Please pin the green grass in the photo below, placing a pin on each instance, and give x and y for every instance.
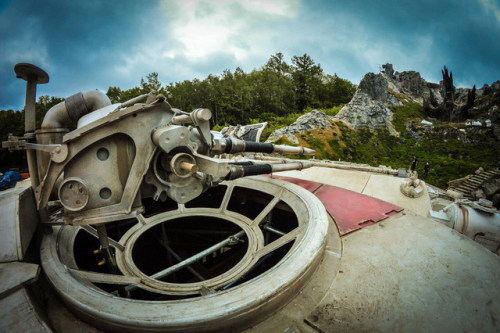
(448, 156)
(403, 113)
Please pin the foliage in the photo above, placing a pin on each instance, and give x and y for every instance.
(152, 84)
(11, 122)
(274, 123)
(451, 155)
(277, 88)
(328, 111)
(277, 93)
(405, 112)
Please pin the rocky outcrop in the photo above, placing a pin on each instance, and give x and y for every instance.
(312, 120)
(369, 106)
(487, 103)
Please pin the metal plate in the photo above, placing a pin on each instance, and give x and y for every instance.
(350, 210)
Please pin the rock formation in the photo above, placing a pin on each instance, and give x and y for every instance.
(309, 121)
(369, 106)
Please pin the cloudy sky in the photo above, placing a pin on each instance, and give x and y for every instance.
(93, 44)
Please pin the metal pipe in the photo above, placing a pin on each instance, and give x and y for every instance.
(190, 260)
(94, 233)
(232, 146)
(189, 167)
(178, 258)
(30, 124)
(133, 101)
(193, 117)
(242, 170)
(274, 231)
(282, 149)
(29, 109)
(108, 255)
(196, 257)
(290, 166)
(73, 108)
(334, 164)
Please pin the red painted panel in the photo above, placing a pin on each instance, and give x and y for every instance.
(350, 210)
(308, 185)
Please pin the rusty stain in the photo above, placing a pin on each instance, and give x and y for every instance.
(465, 213)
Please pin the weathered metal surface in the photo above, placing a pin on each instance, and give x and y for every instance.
(229, 310)
(350, 210)
(292, 316)
(481, 226)
(410, 274)
(244, 132)
(18, 221)
(104, 278)
(16, 275)
(18, 314)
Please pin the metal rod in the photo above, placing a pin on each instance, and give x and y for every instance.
(104, 240)
(282, 149)
(334, 164)
(193, 117)
(274, 231)
(290, 166)
(133, 101)
(178, 258)
(189, 167)
(29, 124)
(196, 257)
(93, 232)
(182, 119)
(190, 260)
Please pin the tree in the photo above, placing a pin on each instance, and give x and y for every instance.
(114, 94)
(152, 84)
(307, 79)
(336, 91)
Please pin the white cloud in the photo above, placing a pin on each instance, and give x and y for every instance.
(27, 46)
(229, 26)
(491, 5)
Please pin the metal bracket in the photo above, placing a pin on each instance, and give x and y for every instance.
(20, 143)
(211, 166)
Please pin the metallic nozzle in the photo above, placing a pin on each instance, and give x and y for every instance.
(249, 168)
(232, 146)
(282, 149)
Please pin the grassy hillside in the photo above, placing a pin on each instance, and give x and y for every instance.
(450, 152)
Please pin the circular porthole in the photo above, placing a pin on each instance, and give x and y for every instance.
(224, 260)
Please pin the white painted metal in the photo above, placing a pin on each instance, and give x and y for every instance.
(231, 309)
(97, 114)
(480, 226)
(16, 275)
(18, 314)
(18, 221)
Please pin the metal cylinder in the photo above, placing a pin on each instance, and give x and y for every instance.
(480, 226)
(29, 109)
(73, 108)
(29, 123)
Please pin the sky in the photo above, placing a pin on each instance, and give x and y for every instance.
(93, 44)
